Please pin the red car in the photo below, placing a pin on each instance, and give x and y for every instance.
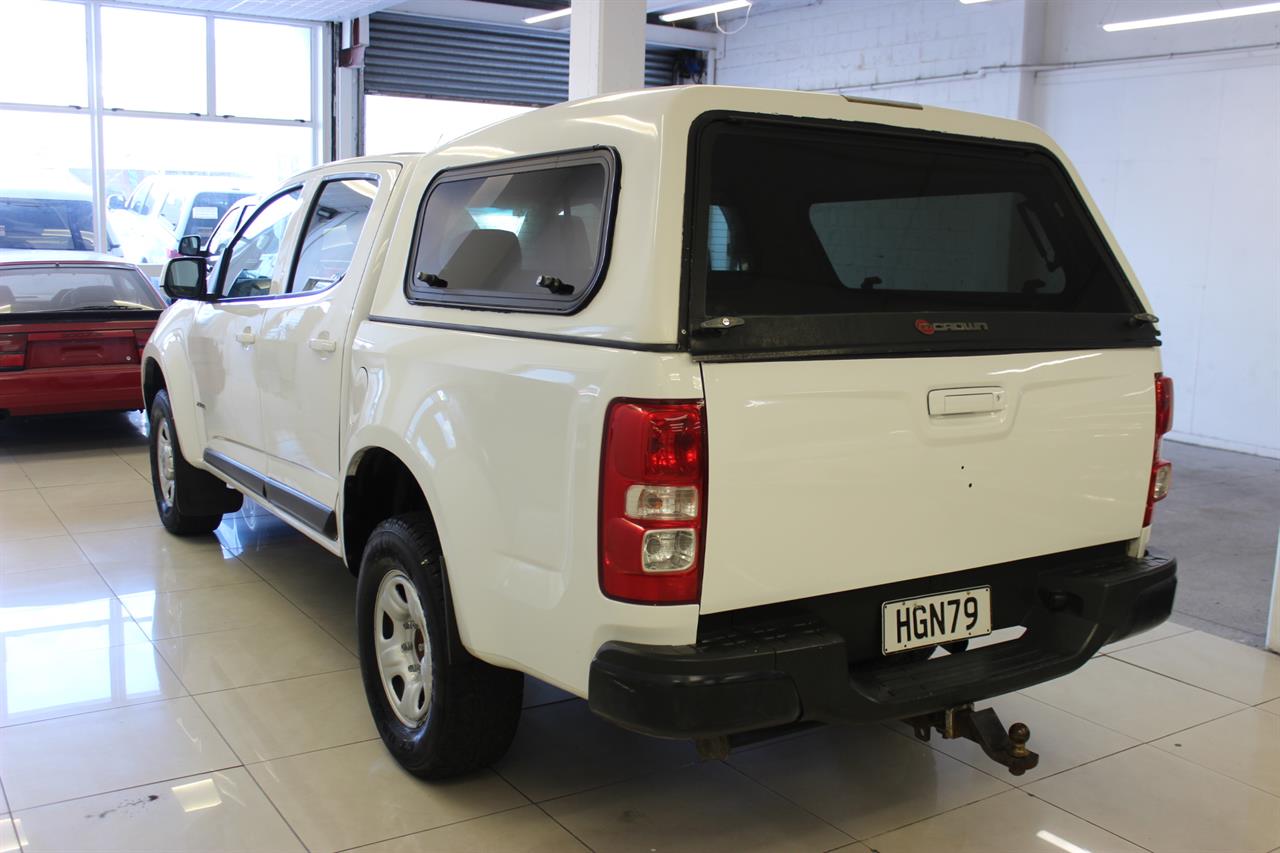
(72, 328)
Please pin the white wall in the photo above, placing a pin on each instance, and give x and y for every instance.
(1181, 154)
(1182, 159)
(879, 48)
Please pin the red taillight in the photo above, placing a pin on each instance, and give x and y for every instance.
(13, 351)
(1161, 469)
(653, 495)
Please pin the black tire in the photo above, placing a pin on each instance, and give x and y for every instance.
(473, 707)
(191, 487)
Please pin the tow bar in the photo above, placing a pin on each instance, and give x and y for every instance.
(983, 728)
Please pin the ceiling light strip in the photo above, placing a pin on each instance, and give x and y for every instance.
(685, 14)
(1192, 18)
(548, 16)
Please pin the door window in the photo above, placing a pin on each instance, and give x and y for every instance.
(224, 232)
(255, 263)
(331, 233)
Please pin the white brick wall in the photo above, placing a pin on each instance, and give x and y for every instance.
(848, 45)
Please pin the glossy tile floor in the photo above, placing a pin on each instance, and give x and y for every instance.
(201, 694)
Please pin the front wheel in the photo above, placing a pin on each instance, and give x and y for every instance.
(440, 711)
(181, 490)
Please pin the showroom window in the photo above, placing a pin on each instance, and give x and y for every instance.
(146, 125)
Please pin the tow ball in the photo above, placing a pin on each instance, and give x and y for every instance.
(983, 728)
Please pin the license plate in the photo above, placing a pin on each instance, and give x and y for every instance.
(911, 623)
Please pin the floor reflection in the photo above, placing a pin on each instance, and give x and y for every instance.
(72, 656)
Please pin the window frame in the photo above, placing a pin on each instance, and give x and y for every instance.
(487, 300)
(220, 287)
(311, 205)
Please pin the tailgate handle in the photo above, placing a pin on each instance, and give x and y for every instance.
(965, 401)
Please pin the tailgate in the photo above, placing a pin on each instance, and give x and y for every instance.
(833, 475)
(920, 355)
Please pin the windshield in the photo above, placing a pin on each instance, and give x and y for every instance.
(71, 287)
(37, 223)
(816, 237)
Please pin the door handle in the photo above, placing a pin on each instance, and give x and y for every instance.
(247, 337)
(965, 401)
(323, 344)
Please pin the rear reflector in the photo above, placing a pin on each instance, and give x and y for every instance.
(1161, 469)
(653, 501)
(13, 351)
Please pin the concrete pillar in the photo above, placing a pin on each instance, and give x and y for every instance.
(347, 120)
(606, 47)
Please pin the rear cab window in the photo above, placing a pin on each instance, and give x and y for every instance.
(863, 238)
(529, 234)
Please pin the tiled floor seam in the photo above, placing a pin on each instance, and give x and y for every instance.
(1185, 630)
(1133, 737)
(434, 828)
(259, 761)
(9, 811)
(130, 787)
(537, 805)
(1152, 744)
(1177, 612)
(753, 780)
(869, 842)
(117, 594)
(217, 630)
(355, 665)
(1136, 746)
(1193, 684)
(275, 808)
(612, 782)
(72, 716)
(572, 834)
(288, 598)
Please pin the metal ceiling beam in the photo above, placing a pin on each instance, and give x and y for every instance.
(494, 13)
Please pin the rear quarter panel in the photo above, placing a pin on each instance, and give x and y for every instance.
(504, 435)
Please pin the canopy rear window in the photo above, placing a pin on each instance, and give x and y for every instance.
(813, 237)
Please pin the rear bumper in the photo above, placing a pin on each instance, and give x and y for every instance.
(61, 390)
(797, 669)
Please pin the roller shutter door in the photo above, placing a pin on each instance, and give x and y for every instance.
(465, 61)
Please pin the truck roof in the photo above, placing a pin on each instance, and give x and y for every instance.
(652, 112)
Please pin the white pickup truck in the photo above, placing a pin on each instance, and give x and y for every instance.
(725, 409)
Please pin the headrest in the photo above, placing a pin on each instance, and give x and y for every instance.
(6, 298)
(483, 260)
(94, 294)
(563, 250)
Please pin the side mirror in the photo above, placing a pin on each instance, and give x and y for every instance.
(115, 201)
(189, 247)
(186, 278)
